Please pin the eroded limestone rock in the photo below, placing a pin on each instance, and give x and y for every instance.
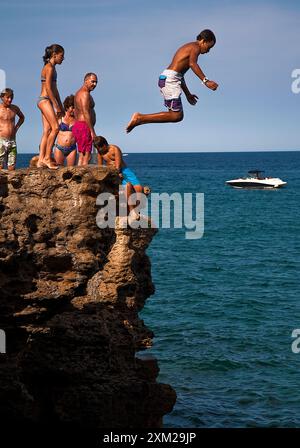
(69, 302)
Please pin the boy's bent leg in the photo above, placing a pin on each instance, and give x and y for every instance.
(161, 117)
(128, 192)
(139, 192)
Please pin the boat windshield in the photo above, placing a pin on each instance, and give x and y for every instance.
(257, 174)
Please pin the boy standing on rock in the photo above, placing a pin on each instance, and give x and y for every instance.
(8, 129)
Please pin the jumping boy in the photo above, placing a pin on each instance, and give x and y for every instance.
(171, 82)
(8, 129)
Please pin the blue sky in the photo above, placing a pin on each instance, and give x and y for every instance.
(129, 42)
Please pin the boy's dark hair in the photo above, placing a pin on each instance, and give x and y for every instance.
(88, 75)
(7, 91)
(100, 141)
(207, 36)
(68, 102)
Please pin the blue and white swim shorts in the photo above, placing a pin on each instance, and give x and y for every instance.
(169, 83)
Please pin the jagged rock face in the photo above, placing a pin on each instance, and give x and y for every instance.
(69, 302)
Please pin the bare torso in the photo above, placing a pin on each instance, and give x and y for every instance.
(79, 112)
(7, 121)
(66, 138)
(181, 60)
(110, 156)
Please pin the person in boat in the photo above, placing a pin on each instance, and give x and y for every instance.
(50, 104)
(65, 146)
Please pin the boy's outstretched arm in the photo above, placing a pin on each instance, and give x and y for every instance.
(192, 99)
(193, 63)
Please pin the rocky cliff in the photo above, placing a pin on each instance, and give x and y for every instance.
(70, 296)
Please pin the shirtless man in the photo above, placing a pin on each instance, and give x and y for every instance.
(171, 82)
(8, 129)
(112, 155)
(83, 130)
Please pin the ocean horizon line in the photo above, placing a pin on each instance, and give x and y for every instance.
(196, 152)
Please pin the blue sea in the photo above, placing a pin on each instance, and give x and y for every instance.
(226, 304)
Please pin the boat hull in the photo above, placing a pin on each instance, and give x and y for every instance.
(260, 185)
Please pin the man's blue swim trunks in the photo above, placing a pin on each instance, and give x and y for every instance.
(129, 176)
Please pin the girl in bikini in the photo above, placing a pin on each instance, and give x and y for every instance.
(49, 104)
(65, 146)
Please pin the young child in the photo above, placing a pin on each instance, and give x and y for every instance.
(112, 155)
(171, 82)
(8, 129)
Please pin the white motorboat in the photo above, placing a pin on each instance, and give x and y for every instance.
(256, 179)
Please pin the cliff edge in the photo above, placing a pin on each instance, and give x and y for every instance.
(69, 302)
